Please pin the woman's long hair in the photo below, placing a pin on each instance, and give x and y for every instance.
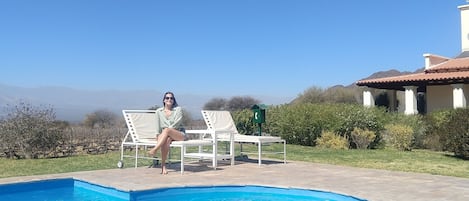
(175, 103)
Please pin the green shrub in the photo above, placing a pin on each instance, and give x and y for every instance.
(399, 136)
(416, 122)
(362, 137)
(436, 135)
(331, 140)
(357, 116)
(457, 129)
(243, 121)
(301, 124)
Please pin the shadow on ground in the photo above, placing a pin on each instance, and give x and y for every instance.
(206, 165)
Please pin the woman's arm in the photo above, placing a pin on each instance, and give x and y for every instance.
(176, 119)
(159, 126)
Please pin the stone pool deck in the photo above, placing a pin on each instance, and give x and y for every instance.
(370, 184)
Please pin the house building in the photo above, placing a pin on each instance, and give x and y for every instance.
(443, 84)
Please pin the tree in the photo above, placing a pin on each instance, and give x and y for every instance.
(340, 94)
(215, 104)
(336, 94)
(100, 119)
(240, 103)
(310, 95)
(186, 117)
(236, 103)
(31, 129)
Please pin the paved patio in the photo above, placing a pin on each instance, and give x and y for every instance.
(370, 184)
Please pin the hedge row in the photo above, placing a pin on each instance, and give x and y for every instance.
(304, 124)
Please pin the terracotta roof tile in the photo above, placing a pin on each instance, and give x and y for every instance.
(454, 69)
(459, 64)
(419, 77)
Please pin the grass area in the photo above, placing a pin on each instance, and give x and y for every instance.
(421, 161)
(26, 167)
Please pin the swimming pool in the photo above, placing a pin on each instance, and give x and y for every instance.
(70, 189)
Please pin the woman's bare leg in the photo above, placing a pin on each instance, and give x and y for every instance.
(168, 133)
(152, 152)
(164, 155)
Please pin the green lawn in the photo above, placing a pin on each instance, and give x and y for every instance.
(423, 161)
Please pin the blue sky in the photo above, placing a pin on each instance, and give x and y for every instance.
(219, 47)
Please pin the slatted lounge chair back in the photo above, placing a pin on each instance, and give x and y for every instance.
(219, 121)
(141, 124)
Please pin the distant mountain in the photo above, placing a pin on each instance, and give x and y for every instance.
(73, 104)
(388, 73)
(391, 73)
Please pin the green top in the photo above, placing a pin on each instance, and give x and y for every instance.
(173, 121)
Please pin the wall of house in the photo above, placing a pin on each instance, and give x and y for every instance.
(439, 97)
(400, 95)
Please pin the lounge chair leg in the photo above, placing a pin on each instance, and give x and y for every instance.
(183, 150)
(259, 147)
(284, 153)
(136, 156)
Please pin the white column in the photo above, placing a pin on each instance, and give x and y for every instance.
(368, 100)
(459, 100)
(410, 100)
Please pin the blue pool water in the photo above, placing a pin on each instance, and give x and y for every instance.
(76, 190)
(60, 189)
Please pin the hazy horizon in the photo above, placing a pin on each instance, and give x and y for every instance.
(73, 104)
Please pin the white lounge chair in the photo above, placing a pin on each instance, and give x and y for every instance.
(222, 120)
(141, 134)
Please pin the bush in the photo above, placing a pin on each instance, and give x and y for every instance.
(351, 117)
(416, 122)
(31, 129)
(243, 122)
(362, 137)
(301, 124)
(457, 129)
(399, 136)
(331, 140)
(436, 135)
